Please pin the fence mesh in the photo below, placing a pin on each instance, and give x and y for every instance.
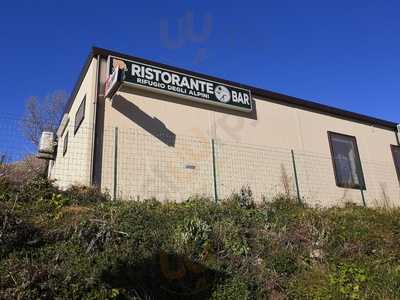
(135, 164)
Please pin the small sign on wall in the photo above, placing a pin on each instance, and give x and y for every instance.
(112, 83)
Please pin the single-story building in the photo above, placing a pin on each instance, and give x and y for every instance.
(141, 129)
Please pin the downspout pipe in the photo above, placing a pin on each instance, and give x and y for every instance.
(398, 134)
(96, 94)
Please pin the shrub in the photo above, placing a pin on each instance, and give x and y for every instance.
(231, 238)
(81, 194)
(193, 236)
(15, 233)
(348, 280)
(233, 289)
(243, 199)
(284, 263)
(37, 188)
(6, 189)
(95, 235)
(282, 211)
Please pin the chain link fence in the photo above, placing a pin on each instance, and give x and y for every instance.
(136, 164)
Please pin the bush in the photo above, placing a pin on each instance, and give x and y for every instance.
(284, 263)
(231, 238)
(37, 188)
(81, 194)
(193, 237)
(7, 190)
(347, 281)
(96, 235)
(15, 233)
(243, 199)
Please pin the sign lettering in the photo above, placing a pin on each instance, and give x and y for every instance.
(179, 84)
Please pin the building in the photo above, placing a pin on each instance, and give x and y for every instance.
(141, 129)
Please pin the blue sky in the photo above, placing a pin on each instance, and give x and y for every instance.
(342, 53)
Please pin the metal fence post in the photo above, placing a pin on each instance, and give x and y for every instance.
(363, 197)
(295, 177)
(115, 163)
(214, 170)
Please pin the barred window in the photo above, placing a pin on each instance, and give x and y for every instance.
(396, 158)
(346, 161)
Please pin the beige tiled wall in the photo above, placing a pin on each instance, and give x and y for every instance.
(74, 167)
(249, 150)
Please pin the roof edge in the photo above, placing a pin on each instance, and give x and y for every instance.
(278, 97)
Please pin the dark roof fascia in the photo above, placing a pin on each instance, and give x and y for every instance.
(277, 97)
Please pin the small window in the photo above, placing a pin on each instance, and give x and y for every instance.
(80, 115)
(65, 126)
(65, 146)
(346, 161)
(396, 158)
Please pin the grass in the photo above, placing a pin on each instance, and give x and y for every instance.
(77, 244)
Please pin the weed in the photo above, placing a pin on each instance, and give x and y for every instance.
(231, 238)
(348, 281)
(243, 199)
(194, 236)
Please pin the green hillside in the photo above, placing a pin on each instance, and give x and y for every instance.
(77, 244)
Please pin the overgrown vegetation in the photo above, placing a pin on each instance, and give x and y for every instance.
(77, 244)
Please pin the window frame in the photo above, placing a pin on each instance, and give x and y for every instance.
(362, 185)
(397, 167)
(65, 143)
(65, 127)
(79, 123)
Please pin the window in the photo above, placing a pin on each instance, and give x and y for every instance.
(80, 115)
(396, 158)
(346, 161)
(64, 124)
(65, 146)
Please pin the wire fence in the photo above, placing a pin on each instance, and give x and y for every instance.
(137, 164)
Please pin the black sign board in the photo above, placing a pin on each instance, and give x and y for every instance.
(180, 84)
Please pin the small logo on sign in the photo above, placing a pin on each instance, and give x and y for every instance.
(222, 93)
(119, 64)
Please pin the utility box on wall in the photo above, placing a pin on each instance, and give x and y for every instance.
(47, 146)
